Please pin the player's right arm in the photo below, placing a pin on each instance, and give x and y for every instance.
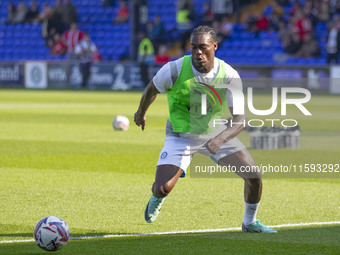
(160, 83)
(149, 95)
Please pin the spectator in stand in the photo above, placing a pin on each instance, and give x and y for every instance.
(309, 48)
(283, 31)
(59, 46)
(149, 27)
(72, 37)
(333, 44)
(262, 23)
(123, 13)
(20, 14)
(296, 7)
(337, 7)
(45, 13)
(10, 14)
(323, 13)
(58, 10)
(56, 17)
(85, 51)
(250, 20)
(223, 28)
(207, 16)
(184, 20)
(292, 44)
(332, 7)
(58, 7)
(50, 37)
(221, 8)
(302, 25)
(337, 22)
(274, 22)
(188, 4)
(216, 25)
(69, 14)
(32, 13)
(315, 4)
(157, 32)
(51, 25)
(310, 12)
(146, 56)
(45, 18)
(226, 27)
(162, 56)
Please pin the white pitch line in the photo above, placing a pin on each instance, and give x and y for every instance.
(180, 232)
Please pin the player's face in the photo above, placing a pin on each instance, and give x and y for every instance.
(203, 52)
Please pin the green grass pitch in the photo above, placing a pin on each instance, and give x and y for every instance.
(60, 156)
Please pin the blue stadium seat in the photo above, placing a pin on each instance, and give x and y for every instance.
(321, 60)
(268, 10)
(114, 39)
(321, 26)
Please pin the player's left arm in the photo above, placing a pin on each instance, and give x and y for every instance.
(214, 144)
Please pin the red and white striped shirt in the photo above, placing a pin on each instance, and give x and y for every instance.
(72, 39)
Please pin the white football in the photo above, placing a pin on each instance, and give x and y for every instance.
(121, 123)
(51, 233)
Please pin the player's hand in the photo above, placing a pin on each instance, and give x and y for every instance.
(213, 145)
(140, 120)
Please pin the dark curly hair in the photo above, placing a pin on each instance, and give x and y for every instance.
(205, 30)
